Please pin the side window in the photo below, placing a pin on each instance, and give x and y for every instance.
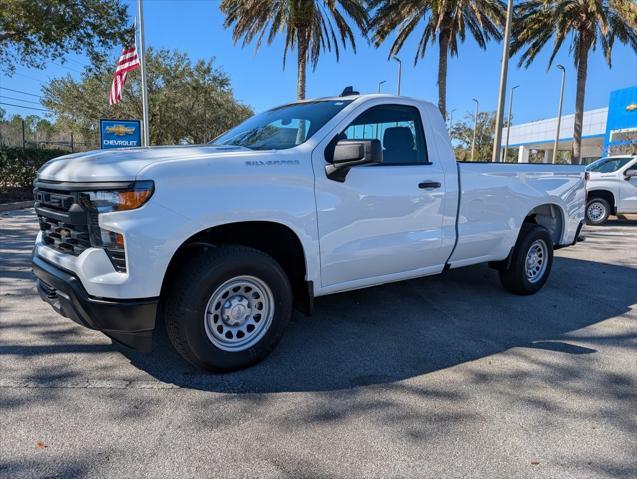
(399, 129)
(623, 163)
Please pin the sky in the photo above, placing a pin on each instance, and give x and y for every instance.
(259, 79)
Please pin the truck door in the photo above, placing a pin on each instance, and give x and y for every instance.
(384, 219)
(628, 191)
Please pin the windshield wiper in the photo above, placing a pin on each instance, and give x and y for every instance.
(222, 145)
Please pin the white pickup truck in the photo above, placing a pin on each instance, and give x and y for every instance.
(300, 201)
(612, 188)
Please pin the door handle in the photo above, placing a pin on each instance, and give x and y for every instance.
(429, 184)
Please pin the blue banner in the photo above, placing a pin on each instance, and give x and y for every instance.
(120, 133)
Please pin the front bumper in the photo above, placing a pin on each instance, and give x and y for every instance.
(127, 321)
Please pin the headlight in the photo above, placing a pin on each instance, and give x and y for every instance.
(130, 197)
(113, 197)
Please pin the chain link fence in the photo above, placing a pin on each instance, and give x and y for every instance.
(18, 134)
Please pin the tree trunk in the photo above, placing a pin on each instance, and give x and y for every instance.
(301, 64)
(300, 82)
(442, 73)
(582, 67)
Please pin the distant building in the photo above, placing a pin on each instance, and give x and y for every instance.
(610, 130)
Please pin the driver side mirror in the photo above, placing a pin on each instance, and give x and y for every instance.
(349, 153)
(628, 174)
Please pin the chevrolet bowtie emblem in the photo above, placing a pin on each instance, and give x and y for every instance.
(631, 107)
(120, 130)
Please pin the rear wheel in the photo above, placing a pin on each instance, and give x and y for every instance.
(229, 308)
(597, 211)
(531, 261)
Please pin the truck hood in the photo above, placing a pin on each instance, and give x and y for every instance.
(124, 164)
(595, 176)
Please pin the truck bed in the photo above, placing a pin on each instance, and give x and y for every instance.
(495, 198)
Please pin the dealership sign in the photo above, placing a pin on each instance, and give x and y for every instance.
(120, 133)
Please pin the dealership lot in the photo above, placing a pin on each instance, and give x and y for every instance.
(441, 376)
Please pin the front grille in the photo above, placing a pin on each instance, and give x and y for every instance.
(63, 221)
(68, 225)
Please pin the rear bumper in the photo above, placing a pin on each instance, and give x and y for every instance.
(129, 321)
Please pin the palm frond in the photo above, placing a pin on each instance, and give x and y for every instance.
(325, 24)
(589, 22)
(482, 18)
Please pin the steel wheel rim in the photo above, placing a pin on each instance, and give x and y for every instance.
(239, 313)
(596, 211)
(536, 261)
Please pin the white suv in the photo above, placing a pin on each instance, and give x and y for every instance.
(612, 188)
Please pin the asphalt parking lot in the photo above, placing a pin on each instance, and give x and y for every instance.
(445, 376)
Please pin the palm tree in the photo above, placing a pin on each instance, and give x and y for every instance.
(585, 23)
(445, 21)
(310, 26)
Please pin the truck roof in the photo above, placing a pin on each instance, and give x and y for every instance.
(357, 97)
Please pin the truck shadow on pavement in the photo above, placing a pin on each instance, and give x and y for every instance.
(375, 359)
(402, 330)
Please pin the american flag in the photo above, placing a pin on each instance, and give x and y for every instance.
(128, 61)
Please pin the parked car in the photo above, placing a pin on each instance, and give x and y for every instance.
(612, 188)
(304, 200)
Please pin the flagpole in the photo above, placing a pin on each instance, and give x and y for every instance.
(142, 55)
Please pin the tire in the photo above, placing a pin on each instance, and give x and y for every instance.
(597, 211)
(520, 278)
(228, 308)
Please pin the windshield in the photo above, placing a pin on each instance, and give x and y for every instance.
(608, 165)
(283, 127)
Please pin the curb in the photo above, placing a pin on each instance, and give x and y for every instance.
(19, 205)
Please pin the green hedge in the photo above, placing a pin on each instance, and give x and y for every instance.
(18, 166)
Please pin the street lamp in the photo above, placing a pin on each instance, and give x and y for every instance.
(559, 114)
(475, 127)
(506, 145)
(400, 68)
(497, 140)
(379, 84)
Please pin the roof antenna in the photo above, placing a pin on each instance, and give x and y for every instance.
(349, 91)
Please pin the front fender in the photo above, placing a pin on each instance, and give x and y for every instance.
(202, 195)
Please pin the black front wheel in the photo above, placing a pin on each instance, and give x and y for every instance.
(228, 307)
(531, 261)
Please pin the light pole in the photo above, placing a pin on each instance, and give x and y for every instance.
(475, 128)
(497, 140)
(506, 145)
(379, 84)
(400, 68)
(559, 114)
